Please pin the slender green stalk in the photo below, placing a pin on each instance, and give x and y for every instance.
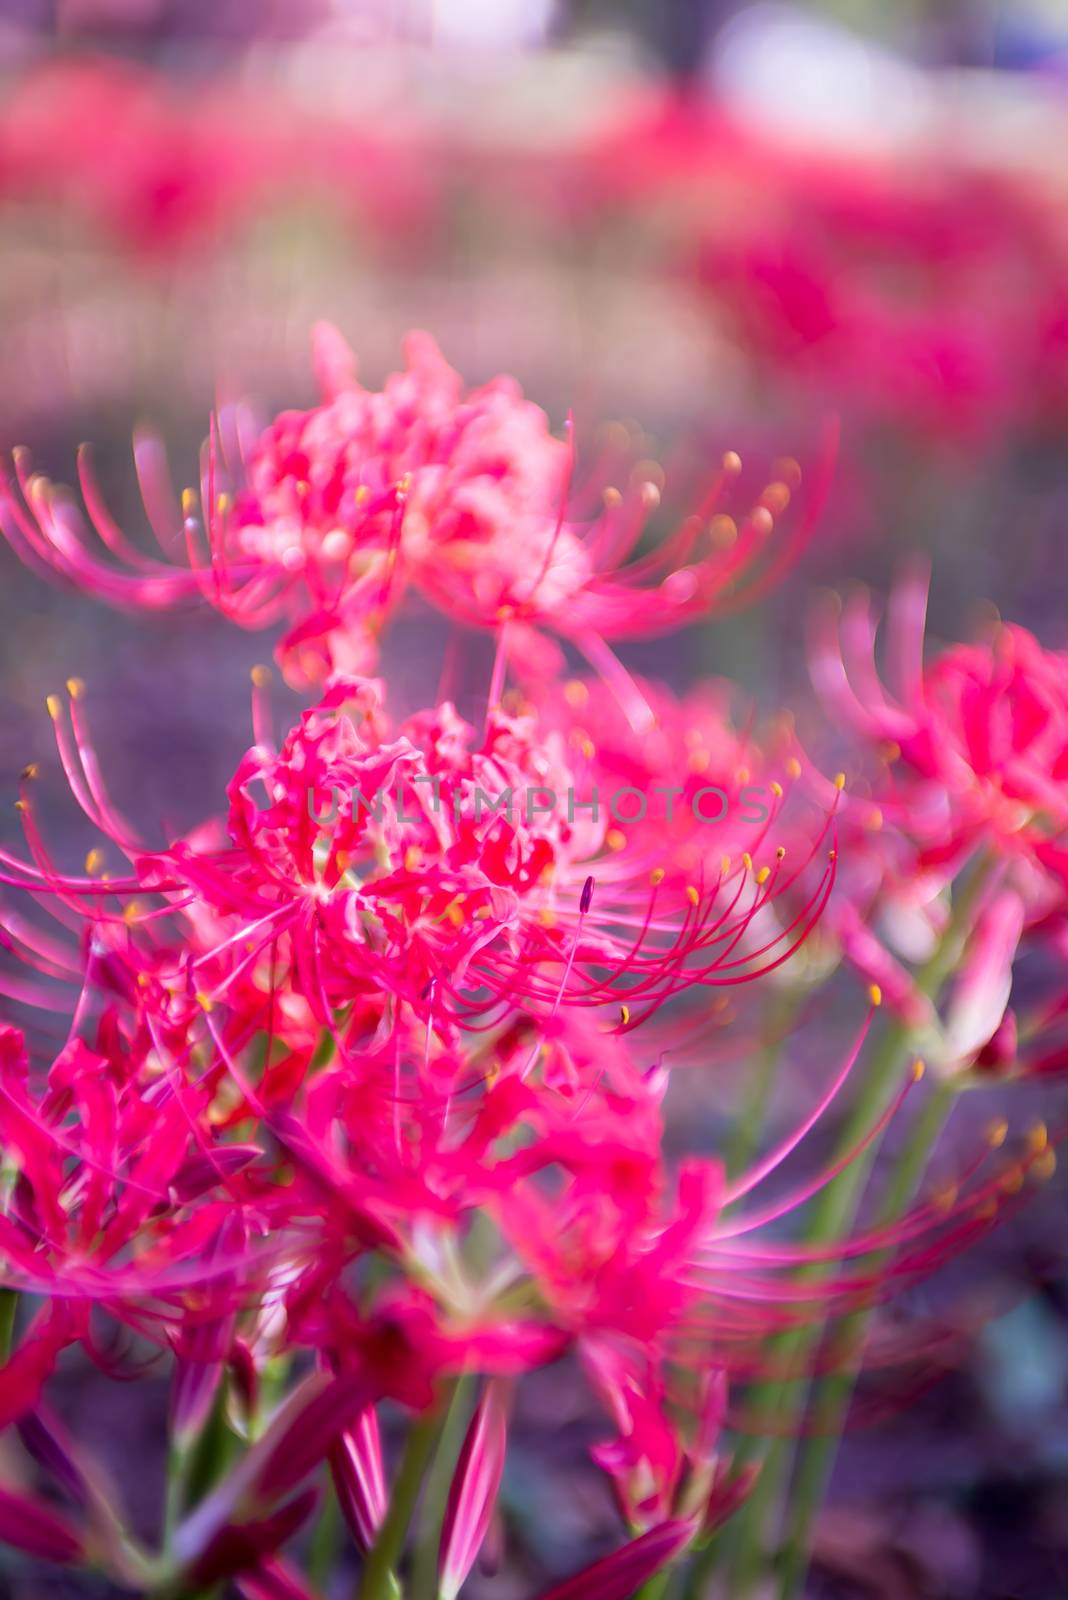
(322, 1552)
(831, 1213)
(817, 1455)
(9, 1305)
(424, 1584)
(745, 1134)
(655, 1588)
(830, 1217)
(378, 1581)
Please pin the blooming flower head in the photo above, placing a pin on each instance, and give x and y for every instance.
(463, 874)
(330, 514)
(973, 745)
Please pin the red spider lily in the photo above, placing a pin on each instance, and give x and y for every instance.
(665, 1460)
(461, 875)
(465, 497)
(977, 741)
(963, 758)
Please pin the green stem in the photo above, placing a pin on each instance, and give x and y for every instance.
(832, 1210)
(324, 1540)
(378, 1582)
(655, 1588)
(831, 1216)
(745, 1135)
(9, 1305)
(424, 1584)
(818, 1453)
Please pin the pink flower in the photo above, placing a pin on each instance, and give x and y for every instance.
(331, 513)
(976, 742)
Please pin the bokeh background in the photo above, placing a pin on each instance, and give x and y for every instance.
(715, 225)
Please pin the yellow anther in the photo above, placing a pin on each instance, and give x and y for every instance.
(747, 861)
(742, 775)
(732, 461)
(874, 819)
(624, 1015)
(611, 498)
(918, 1069)
(55, 710)
(656, 877)
(780, 854)
(576, 693)
(189, 503)
(793, 768)
(763, 875)
(891, 750)
(723, 530)
(404, 484)
(832, 855)
(362, 495)
(1045, 1165)
(94, 862)
(261, 676)
(31, 771)
(839, 780)
(21, 805)
(75, 688)
(413, 858)
(1012, 1181)
(1038, 1138)
(692, 896)
(997, 1133)
(725, 865)
(143, 980)
(776, 498)
(132, 910)
(875, 994)
(222, 503)
(204, 1001)
(615, 839)
(776, 789)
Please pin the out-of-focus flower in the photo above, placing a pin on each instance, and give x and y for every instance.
(337, 510)
(974, 744)
(962, 759)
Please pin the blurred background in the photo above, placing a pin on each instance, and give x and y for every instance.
(719, 224)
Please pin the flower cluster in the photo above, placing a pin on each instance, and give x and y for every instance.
(328, 516)
(355, 1115)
